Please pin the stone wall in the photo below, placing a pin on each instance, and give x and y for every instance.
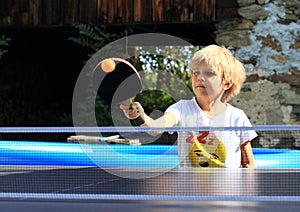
(266, 38)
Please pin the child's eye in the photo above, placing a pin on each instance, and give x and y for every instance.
(196, 73)
(210, 73)
(207, 73)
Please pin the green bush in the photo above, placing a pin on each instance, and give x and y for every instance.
(4, 41)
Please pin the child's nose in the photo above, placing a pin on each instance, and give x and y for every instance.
(201, 77)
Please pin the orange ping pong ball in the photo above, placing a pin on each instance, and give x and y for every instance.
(108, 65)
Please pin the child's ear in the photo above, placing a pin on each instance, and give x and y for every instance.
(227, 85)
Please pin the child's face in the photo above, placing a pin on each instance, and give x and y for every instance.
(206, 83)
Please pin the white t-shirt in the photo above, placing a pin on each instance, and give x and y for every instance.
(218, 148)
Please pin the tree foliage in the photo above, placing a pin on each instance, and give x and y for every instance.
(4, 41)
(95, 37)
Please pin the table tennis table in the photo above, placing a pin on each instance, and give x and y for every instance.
(57, 187)
(68, 188)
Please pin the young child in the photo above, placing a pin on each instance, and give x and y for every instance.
(216, 77)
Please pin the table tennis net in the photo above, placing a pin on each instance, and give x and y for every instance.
(277, 136)
(274, 146)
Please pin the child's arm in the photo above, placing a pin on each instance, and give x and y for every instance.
(167, 120)
(247, 155)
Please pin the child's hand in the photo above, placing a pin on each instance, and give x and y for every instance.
(246, 166)
(249, 166)
(133, 111)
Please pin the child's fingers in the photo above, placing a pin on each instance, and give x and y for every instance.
(132, 111)
(137, 106)
(246, 166)
(124, 107)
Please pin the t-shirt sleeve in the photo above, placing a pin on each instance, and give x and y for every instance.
(175, 110)
(246, 135)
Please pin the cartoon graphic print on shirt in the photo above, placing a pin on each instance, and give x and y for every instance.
(206, 150)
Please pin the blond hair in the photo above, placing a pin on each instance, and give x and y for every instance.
(224, 64)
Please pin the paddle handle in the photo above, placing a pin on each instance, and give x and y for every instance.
(138, 120)
(127, 102)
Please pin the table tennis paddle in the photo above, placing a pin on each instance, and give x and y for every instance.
(119, 86)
